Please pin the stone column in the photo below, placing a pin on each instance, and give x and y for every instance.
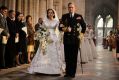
(19, 2)
(6, 3)
(80, 7)
(49, 3)
(35, 11)
(42, 8)
(30, 7)
(60, 8)
(25, 12)
(118, 12)
(56, 6)
(11, 4)
(64, 6)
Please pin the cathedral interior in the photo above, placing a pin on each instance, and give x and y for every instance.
(103, 15)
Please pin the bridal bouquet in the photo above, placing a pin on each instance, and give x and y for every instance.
(42, 35)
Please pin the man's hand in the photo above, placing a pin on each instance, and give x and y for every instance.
(64, 29)
(69, 29)
(4, 39)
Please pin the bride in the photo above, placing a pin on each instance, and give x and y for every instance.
(51, 62)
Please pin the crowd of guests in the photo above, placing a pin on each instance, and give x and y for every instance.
(17, 44)
(111, 42)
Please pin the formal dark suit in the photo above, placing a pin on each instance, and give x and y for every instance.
(22, 44)
(71, 41)
(3, 25)
(10, 52)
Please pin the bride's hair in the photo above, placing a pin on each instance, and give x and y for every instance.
(52, 11)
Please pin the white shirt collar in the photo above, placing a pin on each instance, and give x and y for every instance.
(72, 14)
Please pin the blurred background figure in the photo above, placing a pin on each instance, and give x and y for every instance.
(37, 26)
(11, 46)
(117, 43)
(30, 38)
(22, 44)
(4, 34)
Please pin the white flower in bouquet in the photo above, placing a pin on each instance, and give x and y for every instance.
(42, 35)
(43, 45)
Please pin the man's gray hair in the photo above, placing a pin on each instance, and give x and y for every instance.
(70, 3)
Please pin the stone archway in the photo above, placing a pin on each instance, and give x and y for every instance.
(102, 27)
(99, 22)
(108, 25)
(103, 8)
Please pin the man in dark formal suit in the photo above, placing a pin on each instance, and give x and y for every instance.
(39, 24)
(71, 22)
(4, 33)
(10, 53)
(37, 27)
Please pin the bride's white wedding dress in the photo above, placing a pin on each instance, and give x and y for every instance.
(52, 61)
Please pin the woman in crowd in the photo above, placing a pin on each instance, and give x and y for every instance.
(91, 36)
(30, 38)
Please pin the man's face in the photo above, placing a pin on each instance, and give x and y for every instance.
(4, 12)
(40, 20)
(12, 15)
(20, 17)
(71, 8)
